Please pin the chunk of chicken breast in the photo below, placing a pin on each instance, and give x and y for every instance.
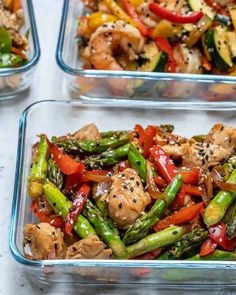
(126, 199)
(88, 132)
(45, 241)
(90, 248)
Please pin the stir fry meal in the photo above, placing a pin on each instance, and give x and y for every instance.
(12, 42)
(145, 193)
(176, 36)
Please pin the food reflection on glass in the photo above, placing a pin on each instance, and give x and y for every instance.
(13, 44)
(186, 36)
(145, 193)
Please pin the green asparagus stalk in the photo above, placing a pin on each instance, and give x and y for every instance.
(39, 169)
(137, 161)
(102, 206)
(114, 133)
(142, 225)
(172, 190)
(216, 255)
(54, 174)
(92, 146)
(62, 206)
(218, 206)
(186, 243)
(230, 220)
(152, 242)
(103, 230)
(167, 127)
(107, 158)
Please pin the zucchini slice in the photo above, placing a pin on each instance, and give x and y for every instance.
(232, 12)
(217, 46)
(231, 39)
(150, 50)
(200, 5)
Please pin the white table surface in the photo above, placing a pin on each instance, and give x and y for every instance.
(47, 84)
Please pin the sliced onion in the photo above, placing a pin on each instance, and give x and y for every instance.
(52, 254)
(96, 177)
(218, 180)
(151, 186)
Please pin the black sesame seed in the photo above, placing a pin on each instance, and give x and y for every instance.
(131, 189)
(120, 205)
(174, 232)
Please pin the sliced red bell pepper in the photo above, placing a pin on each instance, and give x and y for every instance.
(164, 165)
(179, 200)
(146, 138)
(190, 175)
(72, 182)
(54, 220)
(215, 6)
(130, 10)
(164, 45)
(172, 16)
(193, 190)
(66, 164)
(159, 181)
(149, 256)
(123, 165)
(76, 208)
(218, 233)
(180, 217)
(208, 246)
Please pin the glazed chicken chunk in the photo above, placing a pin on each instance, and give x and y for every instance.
(45, 241)
(88, 132)
(90, 248)
(126, 199)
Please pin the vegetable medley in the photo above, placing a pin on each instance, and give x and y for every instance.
(145, 193)
(176, 36)
(12, 43)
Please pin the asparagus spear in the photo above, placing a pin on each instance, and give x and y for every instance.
(167, 127)
(230, 220)
(218, 206)
(142, 225)
(104, 231)
(187, 242)
(54, 174)
(137, 161)
(152, 242)
(39, 169)
(91, 146)
(62, 206)
(216, 255)
(114, 133)
(107, 158)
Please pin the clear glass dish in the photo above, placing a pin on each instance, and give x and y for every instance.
(111, 115)
(141, 85)
(15, 80)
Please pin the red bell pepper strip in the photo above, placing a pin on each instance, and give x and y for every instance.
(129, 9)
(172, 16)
(149, 256)
(146, 138)
(218, 233)
(72, 182)
(159, 181)
(179, 200)
(66, 164)
(208, 246)
(190, 175)
(76, 208)
(193, 190)
(123, 165)
(216, 7)
(164, 165)
(54, 220)
(180, 217)
(164, 45)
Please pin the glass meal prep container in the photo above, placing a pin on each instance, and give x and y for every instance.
(17, 79)
(107, 116)
(89, 84)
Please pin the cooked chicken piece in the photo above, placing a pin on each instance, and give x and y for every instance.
(126, 199)
(198, 154)
(45, 205)
(90, 248)
(88, 132)
(223, 136)
(45, 241)
(163, 137)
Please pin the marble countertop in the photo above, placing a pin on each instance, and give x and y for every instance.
(13, 279)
